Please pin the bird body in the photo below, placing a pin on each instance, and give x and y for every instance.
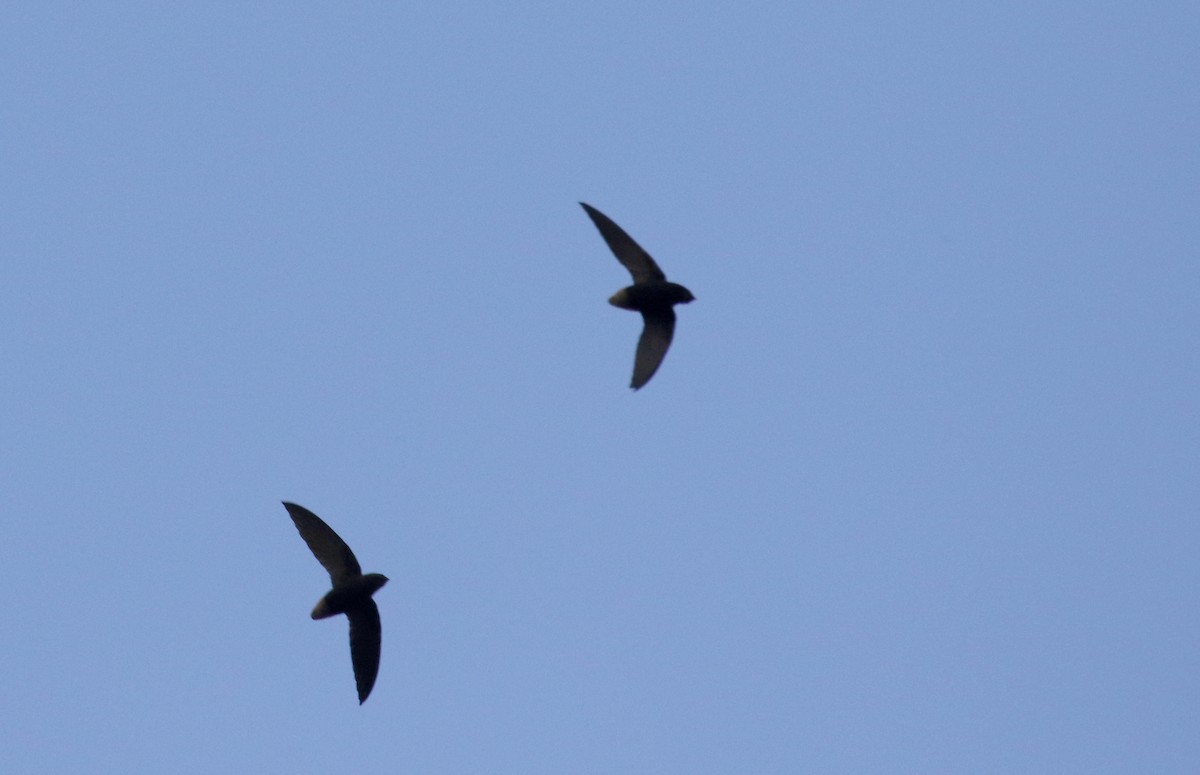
(651, 294)
(351, 594)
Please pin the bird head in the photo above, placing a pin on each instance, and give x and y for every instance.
(374, 582)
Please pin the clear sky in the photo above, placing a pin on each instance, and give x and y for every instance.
(916, 489)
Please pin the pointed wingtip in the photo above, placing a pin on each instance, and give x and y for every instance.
(635, 385)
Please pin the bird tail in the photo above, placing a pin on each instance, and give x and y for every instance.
(322, 610)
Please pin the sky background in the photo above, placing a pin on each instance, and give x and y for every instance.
(916, 489)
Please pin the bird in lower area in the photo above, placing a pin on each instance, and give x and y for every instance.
(650, 295)
(351, 594)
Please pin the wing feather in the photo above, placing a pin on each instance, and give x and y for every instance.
(366, 635)
(327, 546)
(657, 331)
(637, 261)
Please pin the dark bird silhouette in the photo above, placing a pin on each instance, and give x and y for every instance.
(650, 295)
(351, 594)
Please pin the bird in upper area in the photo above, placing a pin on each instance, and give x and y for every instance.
(351, 594)
(650, 295)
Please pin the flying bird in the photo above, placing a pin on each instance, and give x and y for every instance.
(351, 594)
(650, 295)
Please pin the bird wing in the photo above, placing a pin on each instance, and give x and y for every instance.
(637, 261)
(658, 328)
(330, 550)
(365, 636)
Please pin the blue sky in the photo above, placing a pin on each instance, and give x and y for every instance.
(915, 489)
